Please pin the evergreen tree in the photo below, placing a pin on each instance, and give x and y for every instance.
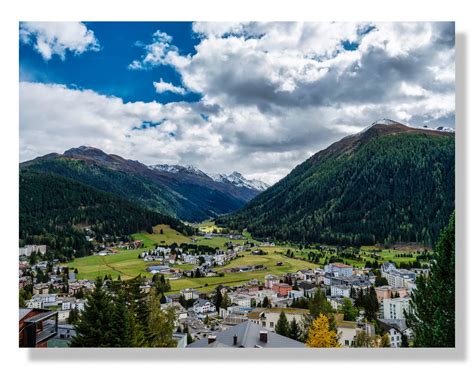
(94, 326)
(432, 313)
(294, 332)
(121, 328)
(226, 301)
(218, 298)
(161, 324)
(282, 327)
(318, 304)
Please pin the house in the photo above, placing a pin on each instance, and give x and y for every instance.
(270, 279)
(190, 294)
(339, 269)
(340, 291)
(387, 292)
(246, 334)
(396, 277)
(268, 317)
(29, 249)
(395, 328)
(282, 289)
(395, 308)
(346, 332)
(305, 275)
(40, 289)
(162, 269)
(293, 294)
(37, 327)
(203, 307)
(66, 331)
(241, 300)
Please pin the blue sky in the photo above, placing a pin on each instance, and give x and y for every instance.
(257, 98)
(106, 71)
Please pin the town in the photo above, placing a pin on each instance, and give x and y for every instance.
(367, 302)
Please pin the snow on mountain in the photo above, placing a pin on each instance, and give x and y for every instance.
(239, 180)
(189, 169)
(235, 178)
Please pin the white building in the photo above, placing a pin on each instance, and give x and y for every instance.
(397, 277)
(394, 308)
(29, 249)
(190, 294)
(339, 269)
(203, 307)
(340, 291)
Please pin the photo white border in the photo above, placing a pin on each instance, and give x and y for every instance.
(361, 10)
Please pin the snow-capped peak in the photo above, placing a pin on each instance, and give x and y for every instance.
(239, 180)
(177, 169)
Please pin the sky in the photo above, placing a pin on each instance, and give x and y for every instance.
(257, 98)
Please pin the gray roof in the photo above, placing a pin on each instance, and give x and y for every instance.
(248, 335)
(24, 312)
(399, 324)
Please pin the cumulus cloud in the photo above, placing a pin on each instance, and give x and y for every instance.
(56, 38)
(163, 86)
(273, 94)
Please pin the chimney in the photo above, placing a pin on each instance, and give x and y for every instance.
(211, 338)
(235, 340)
(264, 336)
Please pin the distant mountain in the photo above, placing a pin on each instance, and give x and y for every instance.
(239, 180)
(388, 183)
(183, 192)
(55, 210)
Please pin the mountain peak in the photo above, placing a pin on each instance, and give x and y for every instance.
(85, 151)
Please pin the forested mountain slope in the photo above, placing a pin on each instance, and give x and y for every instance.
(386, 184)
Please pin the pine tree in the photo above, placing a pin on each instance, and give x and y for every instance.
(225, 301)
(161, 325)
(94, 326)
(319, 334)
(294, 332)
(121, 328)
(318, 304)
(282, 327)
(218, 298)
(432, 313)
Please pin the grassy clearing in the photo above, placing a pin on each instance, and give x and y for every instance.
(168, 236)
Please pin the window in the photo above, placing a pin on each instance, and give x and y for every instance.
(264, 324)
(346, 342)
(271, 324)
(391, 338)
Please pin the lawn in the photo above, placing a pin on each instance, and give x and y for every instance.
(275, 255)
(168, 236)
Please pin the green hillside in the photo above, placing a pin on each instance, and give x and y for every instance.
(55, 210)
(383, 186)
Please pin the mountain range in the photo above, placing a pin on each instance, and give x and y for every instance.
(389, 183)
(183, 192)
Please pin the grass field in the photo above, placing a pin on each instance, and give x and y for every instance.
(275, 255)
(127, 264)
(168, 237)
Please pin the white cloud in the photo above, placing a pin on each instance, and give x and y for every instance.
(273, 94)
(56, 38)
(163, 86)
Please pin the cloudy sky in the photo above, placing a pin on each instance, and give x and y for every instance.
(258, 98)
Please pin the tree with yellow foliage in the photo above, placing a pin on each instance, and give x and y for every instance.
(320, 335)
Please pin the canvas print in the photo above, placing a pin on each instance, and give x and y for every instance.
(237, 185)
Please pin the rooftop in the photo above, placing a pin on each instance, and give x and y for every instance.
(247, 335)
